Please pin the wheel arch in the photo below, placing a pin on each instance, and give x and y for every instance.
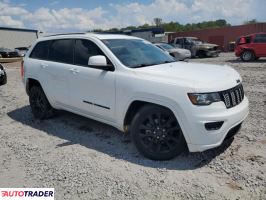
(30, 83)
(248, 49)
(135, 105)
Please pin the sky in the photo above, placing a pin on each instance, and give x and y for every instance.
(84, 15)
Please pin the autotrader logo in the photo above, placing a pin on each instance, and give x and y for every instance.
(27, 193)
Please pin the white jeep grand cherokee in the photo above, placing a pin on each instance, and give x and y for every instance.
(134, 86)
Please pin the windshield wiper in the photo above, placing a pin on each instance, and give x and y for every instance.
(142, 65)
(146, 65)
(168, 61)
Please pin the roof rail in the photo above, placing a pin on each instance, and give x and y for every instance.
(63, 34)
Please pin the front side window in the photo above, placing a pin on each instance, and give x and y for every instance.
(61, 51)
(260, 38)
(178, 41)
(136, 53)
(84, 49)
(40, 51)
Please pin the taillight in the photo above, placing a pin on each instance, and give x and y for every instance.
(22, 69)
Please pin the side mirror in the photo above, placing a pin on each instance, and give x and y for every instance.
(100, 62)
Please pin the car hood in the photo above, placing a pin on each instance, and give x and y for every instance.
(179, 50)
(197, 77)
(207, 45)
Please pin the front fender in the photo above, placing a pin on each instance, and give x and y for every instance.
(158, 100)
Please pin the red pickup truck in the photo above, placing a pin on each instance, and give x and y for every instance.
(251, 47)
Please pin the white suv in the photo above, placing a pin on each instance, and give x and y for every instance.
(136, 87)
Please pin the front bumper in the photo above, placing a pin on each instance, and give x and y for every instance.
(201, 139)
(213, 53)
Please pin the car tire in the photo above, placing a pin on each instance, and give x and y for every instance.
(156, 133)
(201, 54)
(247, 56)
(39, 104)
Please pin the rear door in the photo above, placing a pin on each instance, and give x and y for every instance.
(259, 44)
(56, 70)
(60, 65)
(92, 90)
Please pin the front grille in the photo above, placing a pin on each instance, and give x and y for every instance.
(233, 96)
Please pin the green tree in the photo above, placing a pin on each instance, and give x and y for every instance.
(253, 21)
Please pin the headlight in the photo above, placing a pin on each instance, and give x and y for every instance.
(204, 99)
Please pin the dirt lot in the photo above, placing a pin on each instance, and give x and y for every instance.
(84, 159)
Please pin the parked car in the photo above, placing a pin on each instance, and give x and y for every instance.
(196, 46)
(177, 53)
(3, 76)
(251, 47)
(8, 53)
(22, 50)
(130, 84)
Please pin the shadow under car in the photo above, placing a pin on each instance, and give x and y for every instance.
(106, 139)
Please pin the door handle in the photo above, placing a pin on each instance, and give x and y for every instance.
(74, 71)
(43, 66)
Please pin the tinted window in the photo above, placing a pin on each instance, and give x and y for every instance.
(61, 51)
(248, 39)
(260, 38)
(178, 41)
(40, 51)
(84, 49)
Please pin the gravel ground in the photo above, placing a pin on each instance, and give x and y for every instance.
(85, 159)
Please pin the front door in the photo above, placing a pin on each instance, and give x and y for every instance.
(92, 90)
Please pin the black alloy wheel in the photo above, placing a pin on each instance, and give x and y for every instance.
(157, 134)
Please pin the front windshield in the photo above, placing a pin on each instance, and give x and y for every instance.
(166, 46)
(136, 53)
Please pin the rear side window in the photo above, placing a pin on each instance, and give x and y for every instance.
(84, 49)
(260, 38)
(61, 51)
(248, 39)
(40, 51)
